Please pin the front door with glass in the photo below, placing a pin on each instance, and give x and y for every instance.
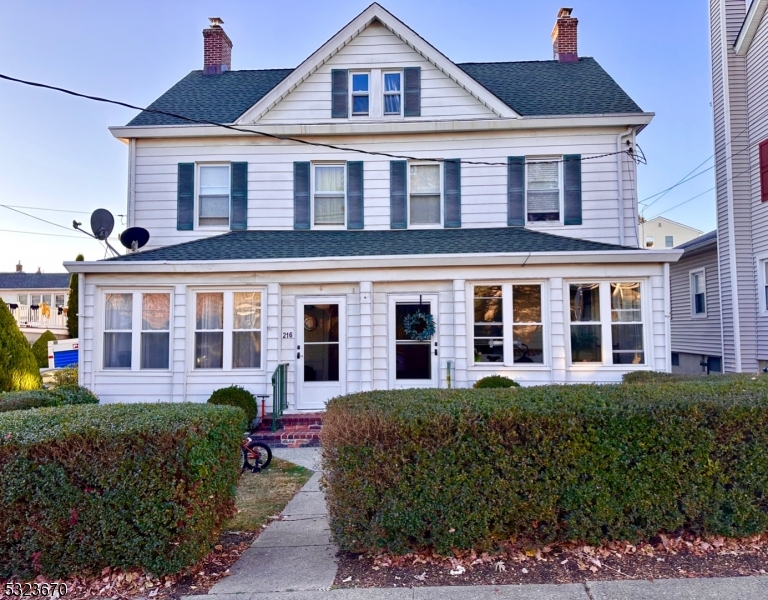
(320, 351)
(413, 353)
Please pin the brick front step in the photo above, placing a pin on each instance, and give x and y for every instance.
(302, 419)
(290, 436)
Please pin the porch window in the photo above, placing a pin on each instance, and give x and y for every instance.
(155, 330)
(508, 324)
(214, 196)
(118, 325)
(209, 331)
(626, 324)
(330, 195)
(246, 330)
(586, 329)
(425, 194)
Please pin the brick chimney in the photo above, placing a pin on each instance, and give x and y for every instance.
(564, 38)
(19, 268)
(217, 55)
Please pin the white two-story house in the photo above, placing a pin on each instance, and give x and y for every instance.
(378, 217)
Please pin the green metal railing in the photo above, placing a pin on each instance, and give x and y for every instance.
(279, 393)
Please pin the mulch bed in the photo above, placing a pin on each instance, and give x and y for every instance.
(665, 557)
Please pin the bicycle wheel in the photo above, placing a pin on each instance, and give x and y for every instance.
(256, 457)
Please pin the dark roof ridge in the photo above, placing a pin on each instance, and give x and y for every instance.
(518, 62)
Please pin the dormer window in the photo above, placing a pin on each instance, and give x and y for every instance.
(361, 99)
(393, 94)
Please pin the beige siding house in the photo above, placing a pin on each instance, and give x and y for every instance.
(665, 233)
(379, 217)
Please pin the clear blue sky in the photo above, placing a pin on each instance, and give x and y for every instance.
(56, 152)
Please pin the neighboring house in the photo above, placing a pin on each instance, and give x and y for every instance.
(497, 200)
(697, 345)
(38, 301)
(740, 106)
(664, 233)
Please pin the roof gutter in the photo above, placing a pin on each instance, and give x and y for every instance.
(376, 262)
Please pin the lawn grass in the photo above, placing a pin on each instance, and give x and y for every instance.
(261, 495)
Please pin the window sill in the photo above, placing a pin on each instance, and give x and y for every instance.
(544, 224)
(700, 316)
(596, 365)
(435, 226)
(521, 366)
(204, 372)
(147, 372)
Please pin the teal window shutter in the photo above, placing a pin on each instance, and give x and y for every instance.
(239, 196)
(398, 171)
(355, 195)
(301, 199)
(572, 180)
(412, 105)
(185, 197)
(340, 93)
(516, 191)
(452, 194)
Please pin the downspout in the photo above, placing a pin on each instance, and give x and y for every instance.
(620, 179)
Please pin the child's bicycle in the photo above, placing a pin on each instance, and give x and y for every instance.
(255, 456)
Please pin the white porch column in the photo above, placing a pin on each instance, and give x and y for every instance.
(179, 344)
(366, 336)
(273, 332)
(460, 339)
(558, 304)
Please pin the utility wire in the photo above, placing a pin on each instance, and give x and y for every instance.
(685, 179)
(35, 217)
(41, 233)
(77, 212)
(282, 137)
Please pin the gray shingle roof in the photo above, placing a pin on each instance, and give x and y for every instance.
(34, 281)
(284, 244)
(699, 242)
(532, 88)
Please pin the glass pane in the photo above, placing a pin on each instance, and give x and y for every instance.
(698, 283)
(329, 179)
(488, 310)
(489, 330)
(247, 310)
(214, 181)
(246, 350)
(425, 179)
(118, 311)
(526, 303)
(528, 343)
(214, 206)
(329, 210)
(60, 300)
(23, 299)
(392, 104)
(155, 311)
(413, 361)
(543, 201)
(46, 299)
(625, 302)
(210, 311)
(425, 210)
(154, 350)
(321, 323)
(627, 337)
(586, 345)
(209, 350)
(391, 82)
(489, 350)
(402, 311)
(488, 291)
(321, 362)
(360, 82)
(360, 105)
(585, 302)
(543, 175)
(117, 350)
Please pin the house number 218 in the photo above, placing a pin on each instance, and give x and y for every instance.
(287, 335)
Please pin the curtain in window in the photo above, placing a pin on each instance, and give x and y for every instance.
(155, 335)
(329, 195)
(209, 345)
(210, 311)
(543, 187)
(118, 311)
(118, 317)
(425, 194)
(392, 93)
(246, 339)
(214, 194)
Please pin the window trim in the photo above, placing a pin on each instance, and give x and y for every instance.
(136, 330)
(352, 95)
(762, 282)
(441, 170)
(384, 93)
(561, 190)
(320, 163)
(508, 324)
(198, 180)
(646, 311)
(692, 292)
(228, 291)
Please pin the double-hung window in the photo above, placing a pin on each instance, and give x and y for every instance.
(227, 330)
(607, 315)
(214, 195)
(508, 324)
(763, 283)
(543, 189)
(360, 90)
(137, 332)
(425, 193)
(393, 94)
(329, 195)
(669, 241)
(698, 293)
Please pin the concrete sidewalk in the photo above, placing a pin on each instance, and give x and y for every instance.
(294, 559)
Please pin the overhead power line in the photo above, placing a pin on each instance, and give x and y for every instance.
(41, 233)
(37, 218)
(283, 137)
(77, 212)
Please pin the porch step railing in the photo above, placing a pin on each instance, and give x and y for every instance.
(279, 393)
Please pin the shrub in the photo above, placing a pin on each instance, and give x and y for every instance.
(495, 381)
(139, 485)
(18, 367)
(236, 396)
(66, 377)
(61, 396)
(40, 349)
(447, 469)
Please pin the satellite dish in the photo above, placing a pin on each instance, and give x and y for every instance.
(102, 223)
(134, 238)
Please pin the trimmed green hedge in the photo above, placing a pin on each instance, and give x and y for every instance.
(495, 381)
(235, 395)
(140, 485)
(60, 396)
(466, 468)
